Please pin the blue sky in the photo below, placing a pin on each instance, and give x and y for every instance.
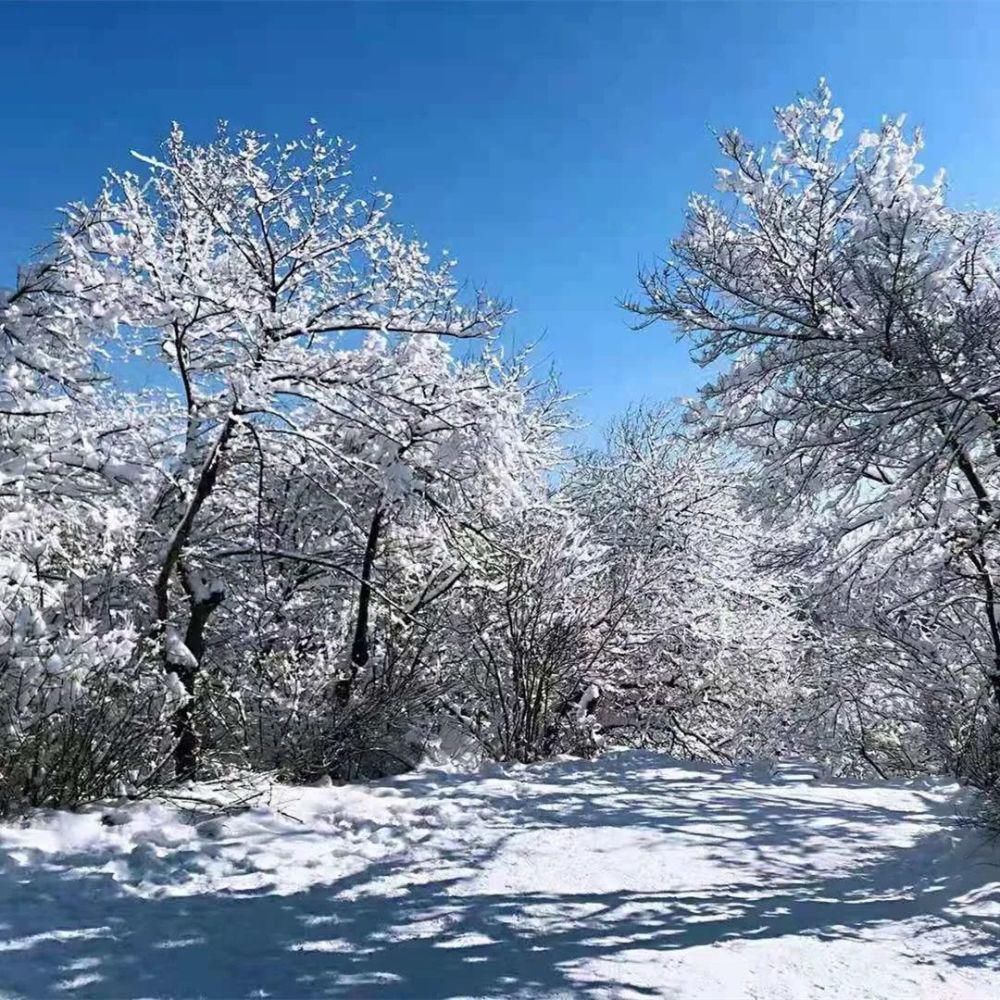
(550, 147)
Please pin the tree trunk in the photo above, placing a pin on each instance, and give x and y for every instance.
(188, 745)
(187, 749)
(360, 647)
(977, 556)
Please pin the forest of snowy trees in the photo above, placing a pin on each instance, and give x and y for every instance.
(274, 498)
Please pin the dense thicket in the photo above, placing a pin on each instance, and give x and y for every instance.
(322, 541)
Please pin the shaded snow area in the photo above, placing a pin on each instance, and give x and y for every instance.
(632, 876)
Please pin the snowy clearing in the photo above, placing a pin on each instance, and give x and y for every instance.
(631, 876)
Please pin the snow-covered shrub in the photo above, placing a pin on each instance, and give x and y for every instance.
(971, 751)
(81, 718)
(82, 712)
(289, 713)
(527, 636)
(701, 660)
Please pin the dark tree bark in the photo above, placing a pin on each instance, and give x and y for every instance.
(188, 746)
(360, 646)
(201, 608)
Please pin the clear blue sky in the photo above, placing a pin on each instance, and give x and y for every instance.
(550, 147)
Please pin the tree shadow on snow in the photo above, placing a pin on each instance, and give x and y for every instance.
(87, 935)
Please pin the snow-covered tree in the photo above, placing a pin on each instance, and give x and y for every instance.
(851, 313)
(364, 532)
(245, 271)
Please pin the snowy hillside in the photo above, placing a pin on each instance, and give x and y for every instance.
(633, 876)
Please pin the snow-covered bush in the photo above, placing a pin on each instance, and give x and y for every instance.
(81, 712)
(88, 721)
(290, 715)
(527, 636)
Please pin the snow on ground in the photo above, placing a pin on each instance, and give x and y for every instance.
(633, 876)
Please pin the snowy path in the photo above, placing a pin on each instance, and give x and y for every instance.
(630, 877)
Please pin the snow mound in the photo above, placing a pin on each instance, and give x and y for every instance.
(631, 876)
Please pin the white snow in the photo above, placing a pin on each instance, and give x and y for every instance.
(632, 876)
(177, 652)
